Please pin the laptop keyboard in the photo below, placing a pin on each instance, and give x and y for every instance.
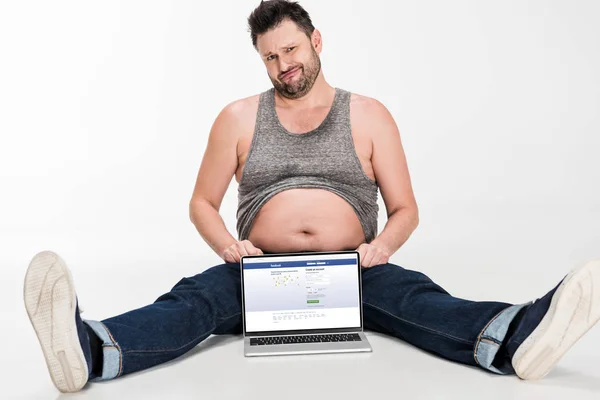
(338, 337)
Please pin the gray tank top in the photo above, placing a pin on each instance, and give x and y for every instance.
(323, 158)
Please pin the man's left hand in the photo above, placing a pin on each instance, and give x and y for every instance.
(371, 255)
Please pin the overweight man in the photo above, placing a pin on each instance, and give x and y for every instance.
(309, 159)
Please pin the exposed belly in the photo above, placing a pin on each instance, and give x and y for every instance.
(306, 219)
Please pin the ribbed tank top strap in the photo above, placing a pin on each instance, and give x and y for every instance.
(266, 108)
(340, 113)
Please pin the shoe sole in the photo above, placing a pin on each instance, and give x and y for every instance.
(574, 309)
(50, 300)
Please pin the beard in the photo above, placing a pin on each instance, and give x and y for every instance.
(300, 85)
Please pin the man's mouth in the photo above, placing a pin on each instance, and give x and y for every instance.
(290, 73)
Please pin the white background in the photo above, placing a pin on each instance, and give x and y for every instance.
(105, 108)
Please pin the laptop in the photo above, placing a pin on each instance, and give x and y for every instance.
(302, 303)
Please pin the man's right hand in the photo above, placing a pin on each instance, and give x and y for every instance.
(234, 253)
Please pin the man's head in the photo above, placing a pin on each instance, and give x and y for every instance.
(286, 40)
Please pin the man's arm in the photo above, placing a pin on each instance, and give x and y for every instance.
(391, 172)
(217, 168)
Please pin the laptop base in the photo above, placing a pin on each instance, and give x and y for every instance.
(307, 348)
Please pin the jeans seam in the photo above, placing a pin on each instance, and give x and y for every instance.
(181, 347)
(479, 337)
(231, 316)
(118, 349)
(490, 341)
(420, 326)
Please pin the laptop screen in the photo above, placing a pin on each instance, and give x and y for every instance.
(302, 292)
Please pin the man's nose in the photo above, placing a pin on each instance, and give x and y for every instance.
(284, 66)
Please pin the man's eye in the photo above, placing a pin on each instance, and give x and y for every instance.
(290, 48)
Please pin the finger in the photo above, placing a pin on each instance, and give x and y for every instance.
(381, 259)
(228, 257)
(250, 249)
(361, 258)
(235, 253)
(362, 252)
(377, 258)
(253, 249)
(241, 249)
(368, 258)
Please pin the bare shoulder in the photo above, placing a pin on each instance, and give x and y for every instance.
(237, 120)
(369, 117)
(363, 106)
(241, 110)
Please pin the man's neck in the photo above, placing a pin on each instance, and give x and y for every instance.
(319, 96)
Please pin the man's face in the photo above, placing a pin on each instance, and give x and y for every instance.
(292, 62)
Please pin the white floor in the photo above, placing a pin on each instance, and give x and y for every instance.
(114, 275)
(216, 369)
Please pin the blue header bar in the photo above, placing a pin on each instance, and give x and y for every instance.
(303, 263)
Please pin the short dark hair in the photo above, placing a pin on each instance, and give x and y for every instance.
(271, 13)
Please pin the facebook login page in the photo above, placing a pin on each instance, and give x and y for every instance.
(301, 292)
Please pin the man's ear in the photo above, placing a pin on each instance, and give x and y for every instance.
(317, 41)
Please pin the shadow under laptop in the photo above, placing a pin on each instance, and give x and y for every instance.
(308, 358)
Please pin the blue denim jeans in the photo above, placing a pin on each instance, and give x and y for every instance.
(398, 302)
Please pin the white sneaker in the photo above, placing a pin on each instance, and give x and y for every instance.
(556, 321)
(51, 304)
